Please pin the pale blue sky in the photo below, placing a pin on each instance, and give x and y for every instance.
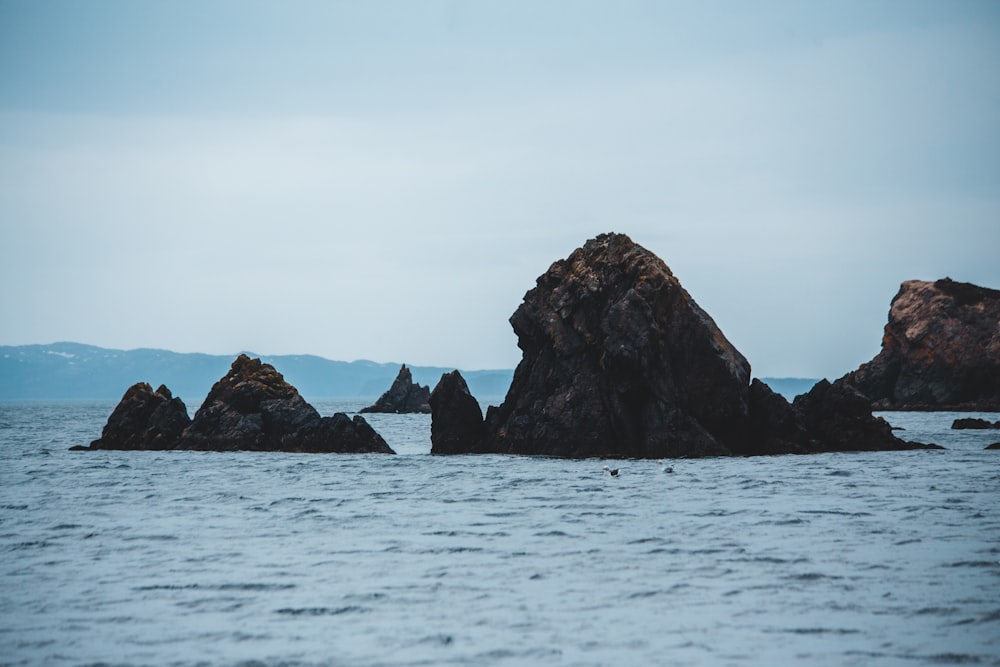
(385, 180)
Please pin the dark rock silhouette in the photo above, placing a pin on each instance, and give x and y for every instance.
(144, 419)
(774, 427)
(838, 418)
(403, 396)
(253, 408)
(995, 445)
(457, 424)
(974, 423)
(250, 408)
(940, 350)
(619, 361)
(338, 434)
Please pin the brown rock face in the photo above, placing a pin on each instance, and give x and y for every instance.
(251, 408)
(619, 361)
(775, 428)
(457, 424)
(940, 350)
(145, 419)
(404, 396)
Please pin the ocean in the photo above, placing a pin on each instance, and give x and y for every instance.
(195, 558)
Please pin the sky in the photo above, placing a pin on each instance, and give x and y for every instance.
(385, 180)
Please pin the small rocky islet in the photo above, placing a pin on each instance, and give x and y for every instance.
(404, 396)
(252, 408)
(618, 362)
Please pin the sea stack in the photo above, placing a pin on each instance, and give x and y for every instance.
(251, 408)
(404, 396)
(457, 424)
(940, 350)
(144, 419)
(619, 361)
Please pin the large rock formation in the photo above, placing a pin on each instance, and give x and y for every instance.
(144, 419)
(457, 424)
(251, 408)
(940, 350)
(619, 361)
(404, 396)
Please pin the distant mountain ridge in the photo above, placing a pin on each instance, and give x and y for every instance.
(63, 371)
(77, 371)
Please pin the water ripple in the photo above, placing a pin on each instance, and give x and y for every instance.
(259, 559)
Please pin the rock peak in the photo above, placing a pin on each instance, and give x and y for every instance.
(145, 419)
(619, 359)
(457, 420)
(940, 350)
(251, 408)
(404, 396)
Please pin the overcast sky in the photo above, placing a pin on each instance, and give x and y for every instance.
(385, 180)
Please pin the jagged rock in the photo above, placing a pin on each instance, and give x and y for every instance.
(404, 396)
(940, 350)
(144, 419)
(974, 423)
(457, 424)
(251, 408)
(839, 419)
(619, 361)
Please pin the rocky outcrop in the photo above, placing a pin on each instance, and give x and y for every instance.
(338, 434)
(144, 419)
(251, 408)
(837, 418)
(940, 350)
(404, 396)
(619, 361)
(774, 427)
(974, 423)
(995, 445)
(457, 424)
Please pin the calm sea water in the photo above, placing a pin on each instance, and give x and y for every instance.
(182, 558)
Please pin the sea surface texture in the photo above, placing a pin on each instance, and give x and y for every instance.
(184, 558)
